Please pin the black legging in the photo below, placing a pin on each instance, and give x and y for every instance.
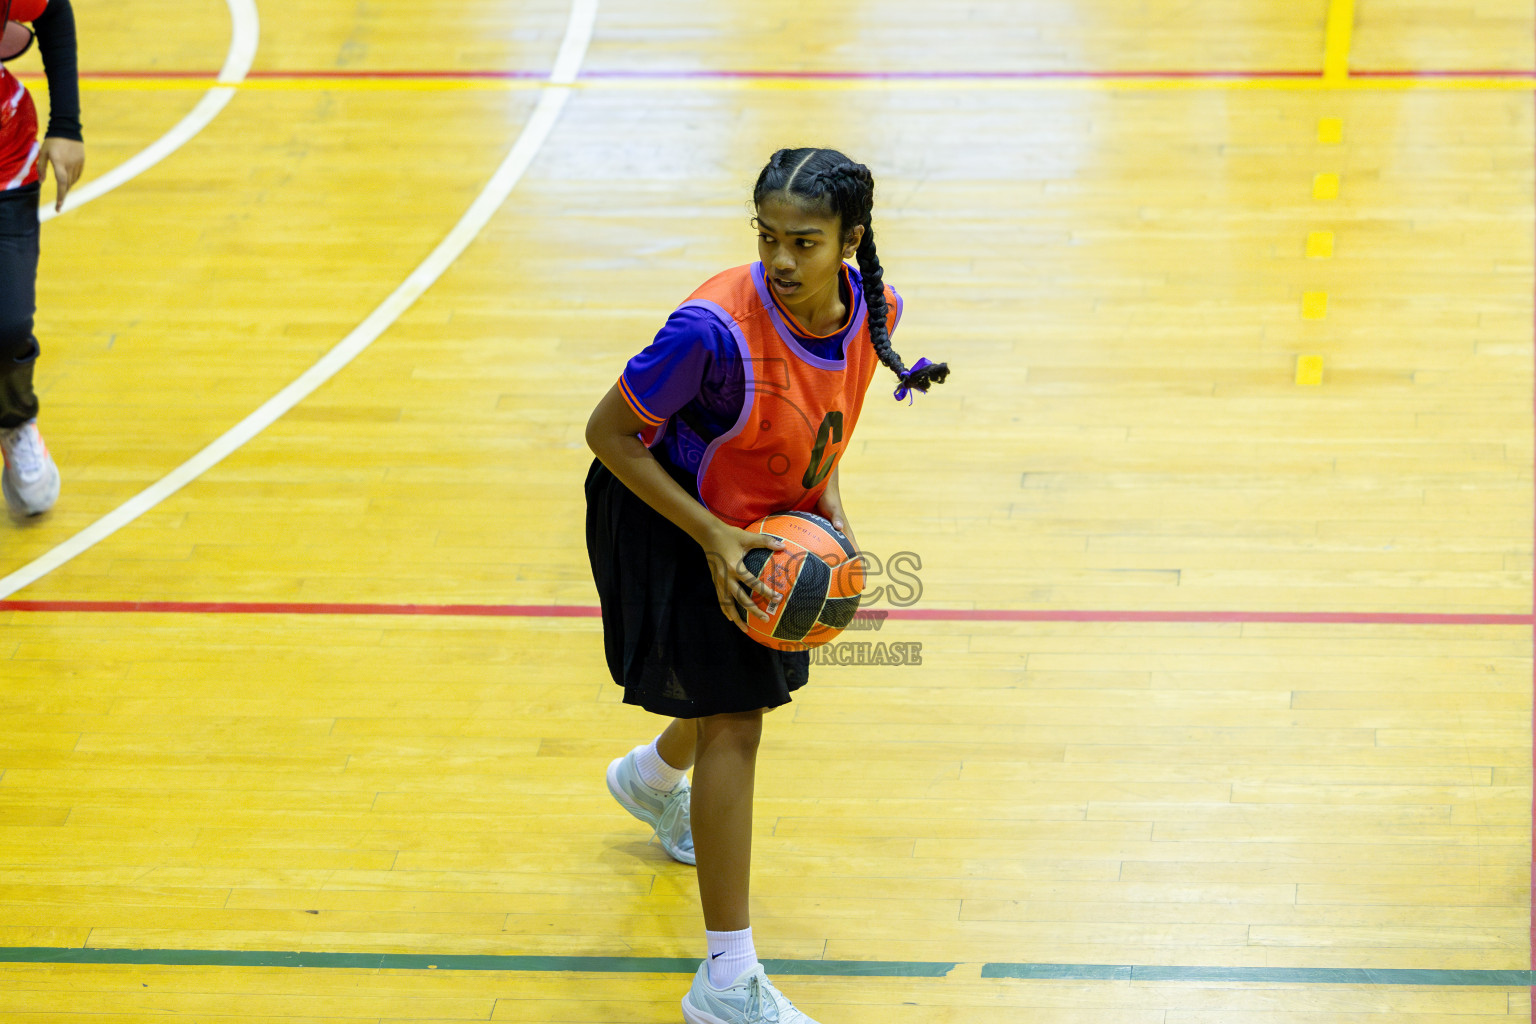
(18, 304)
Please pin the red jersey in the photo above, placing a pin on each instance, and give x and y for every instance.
(18, 133)
(799, 410)
(19, 144)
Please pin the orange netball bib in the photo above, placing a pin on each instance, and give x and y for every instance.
(798, 412)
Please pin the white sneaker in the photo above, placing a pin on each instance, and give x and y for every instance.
(666, 813)
(751, 999)
(30, 480)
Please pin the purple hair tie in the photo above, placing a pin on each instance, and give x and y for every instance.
(906, 392)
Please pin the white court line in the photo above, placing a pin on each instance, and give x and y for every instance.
(573, 49)
(245, 32)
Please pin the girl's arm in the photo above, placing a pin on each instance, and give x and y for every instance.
(831, 507)
(611, 434)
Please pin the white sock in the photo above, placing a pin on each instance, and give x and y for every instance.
(731, 954)
(655, 772)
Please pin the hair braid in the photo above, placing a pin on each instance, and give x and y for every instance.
(855, 189)
(857, 208)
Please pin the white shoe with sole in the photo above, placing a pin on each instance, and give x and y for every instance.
(751, 999)
(30, 480)
(666, 813)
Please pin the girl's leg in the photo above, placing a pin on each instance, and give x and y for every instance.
(677, 743)
(723, 777)
(30, 480)
(730, 985)
(18, 304)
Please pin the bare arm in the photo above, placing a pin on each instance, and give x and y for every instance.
(831, 507)
(611, 434)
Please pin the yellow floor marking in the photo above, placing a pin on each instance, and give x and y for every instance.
(1320, 245)
(1309, 371)
(1314, 305)
(1325, 186)
(1330, 131)
(1341, 26)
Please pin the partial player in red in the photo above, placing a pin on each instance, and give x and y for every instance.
(30, 480)
(741, 407)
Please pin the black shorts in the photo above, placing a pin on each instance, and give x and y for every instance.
(667, 641)
(18, 303)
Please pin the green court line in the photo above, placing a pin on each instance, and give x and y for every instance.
(1267, 975)
(687, 965)
(451, 962)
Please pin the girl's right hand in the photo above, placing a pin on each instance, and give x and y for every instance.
(725, 548)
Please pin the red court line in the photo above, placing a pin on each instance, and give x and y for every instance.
(532, 611)
(804, 75)
(350, 73)
(1316, 618)
(701, 73)
(571, 611)
(945, 75)
(1468, 73)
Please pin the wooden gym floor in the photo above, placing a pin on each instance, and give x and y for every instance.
(1220, 536)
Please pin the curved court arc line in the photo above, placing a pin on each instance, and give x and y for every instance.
(244, 35)
(573, 49)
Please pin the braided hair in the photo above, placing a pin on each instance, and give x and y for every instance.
(826, 180)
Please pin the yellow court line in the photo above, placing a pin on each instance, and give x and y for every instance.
(1337, 38)
(1128, 84)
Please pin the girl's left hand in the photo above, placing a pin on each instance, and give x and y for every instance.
(67, 158)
